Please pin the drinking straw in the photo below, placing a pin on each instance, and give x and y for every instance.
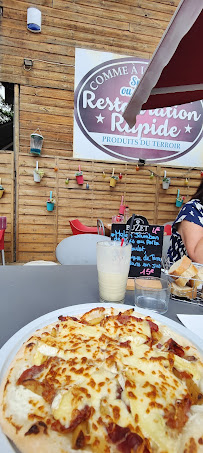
(122, 200)
(36, 164)
(122, 241)
(50, 195)
(178, 194)
(130, 229)
(79, 168)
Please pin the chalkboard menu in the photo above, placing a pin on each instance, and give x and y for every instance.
(147, 243)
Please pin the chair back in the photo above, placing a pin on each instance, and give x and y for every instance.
(168, 229)
(100, 227)
(78, 228)
(166, 239)
(80, 249)
(39, 263)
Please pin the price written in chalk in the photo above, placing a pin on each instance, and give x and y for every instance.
(147, 272)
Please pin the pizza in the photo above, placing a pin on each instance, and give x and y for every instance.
(104, 382)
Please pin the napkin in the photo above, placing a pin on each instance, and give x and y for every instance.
(193, 323)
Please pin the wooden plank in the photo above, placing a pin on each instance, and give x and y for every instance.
(35, 230)
(64, 104)
(120, 7)
(35, 220)
(25, 257)
(45, 93)
(43, 117)
(10, 49)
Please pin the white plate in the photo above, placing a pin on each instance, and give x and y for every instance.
(11, 347)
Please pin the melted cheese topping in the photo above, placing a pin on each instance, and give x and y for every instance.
(116, 370)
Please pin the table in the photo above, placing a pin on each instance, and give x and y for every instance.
(27, 292)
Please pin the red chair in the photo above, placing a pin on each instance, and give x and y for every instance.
(78, 228)
(2, 231)
(167, 230)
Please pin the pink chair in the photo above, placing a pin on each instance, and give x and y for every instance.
(78, 228)
(3, 224)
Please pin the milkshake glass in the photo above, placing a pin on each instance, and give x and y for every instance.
(113, 264)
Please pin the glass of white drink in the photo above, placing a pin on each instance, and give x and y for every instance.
(113, 264)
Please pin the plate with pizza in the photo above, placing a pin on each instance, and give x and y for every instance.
(96, 378)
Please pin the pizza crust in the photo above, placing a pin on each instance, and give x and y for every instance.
(49, 441)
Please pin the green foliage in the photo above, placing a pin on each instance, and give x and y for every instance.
(6, 111)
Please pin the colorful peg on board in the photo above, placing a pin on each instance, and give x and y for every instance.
(55, 169)
(186, 182)
(67, 181)
(87, 186)
(152, 175)
(113, 179)
(79, 176)
(1, 189)
(201, 174)
(104, 174)
(120, 175)
(137, 168)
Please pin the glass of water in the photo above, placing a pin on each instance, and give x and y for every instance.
(152, 293)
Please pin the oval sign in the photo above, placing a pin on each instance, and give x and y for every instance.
(159, 135)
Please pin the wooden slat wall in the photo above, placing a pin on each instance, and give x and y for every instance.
(52, 111)
(7, 201)
(40, 231)
(128, 27)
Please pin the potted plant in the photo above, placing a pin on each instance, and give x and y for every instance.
(113, 179)
(165, 181)
(38, 175)
(79, 176)
(1, 191)
(179, 199)
(50, 203)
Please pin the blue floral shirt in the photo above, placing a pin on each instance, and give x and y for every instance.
(192, 211)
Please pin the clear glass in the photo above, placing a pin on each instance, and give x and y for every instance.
(152, 293)
(113, 264)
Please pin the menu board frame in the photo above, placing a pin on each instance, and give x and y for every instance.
(147, 245)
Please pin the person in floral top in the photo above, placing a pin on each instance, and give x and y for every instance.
(187, 230)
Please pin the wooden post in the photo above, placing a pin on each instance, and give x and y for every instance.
(15, 228)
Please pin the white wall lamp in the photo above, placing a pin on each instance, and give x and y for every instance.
(34, 19)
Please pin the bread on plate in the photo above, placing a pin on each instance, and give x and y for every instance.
(187, 278)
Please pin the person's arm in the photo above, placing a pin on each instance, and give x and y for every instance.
(192, 237)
